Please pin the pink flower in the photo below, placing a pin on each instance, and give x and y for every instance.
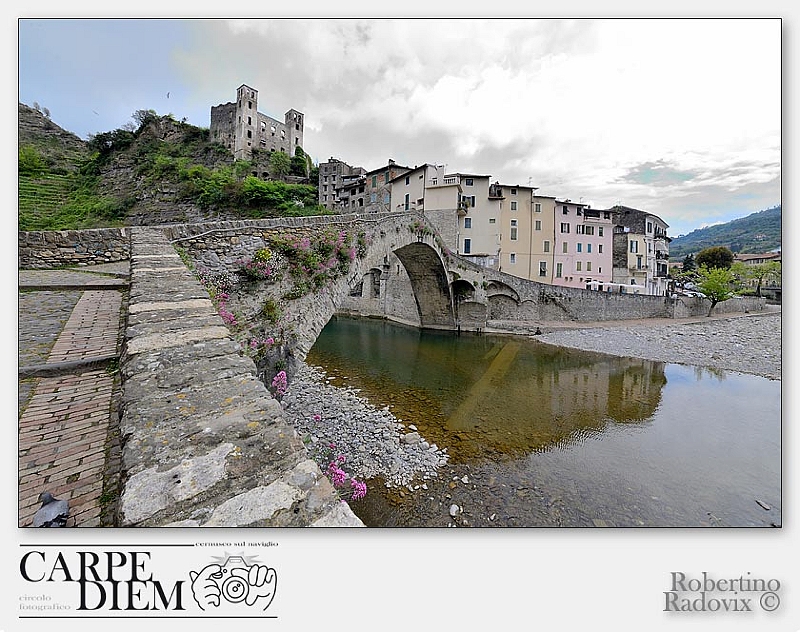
(317, 418)
(337, 474)
(359, 489)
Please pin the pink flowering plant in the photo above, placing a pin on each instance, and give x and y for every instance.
(313, 262)
(279, 384)
(260, 267)
(347, 486)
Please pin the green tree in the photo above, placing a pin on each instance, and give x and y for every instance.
(689, 263)
(299, 163)
(279, 164)
(761, 273)
(31, 162)
(716, 284)
(715, 257)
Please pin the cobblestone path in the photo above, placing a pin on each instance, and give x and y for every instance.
(67, 431)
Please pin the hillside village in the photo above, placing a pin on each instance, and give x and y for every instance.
(507, 227)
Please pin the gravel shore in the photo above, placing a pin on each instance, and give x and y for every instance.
(372, 440)
(745, 344)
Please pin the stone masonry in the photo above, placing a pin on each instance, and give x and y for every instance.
(204, 442)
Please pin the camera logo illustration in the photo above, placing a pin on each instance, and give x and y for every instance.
(236, 582)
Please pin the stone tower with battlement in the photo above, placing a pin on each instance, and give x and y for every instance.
(241, 128)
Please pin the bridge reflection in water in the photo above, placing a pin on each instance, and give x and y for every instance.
(588, 427)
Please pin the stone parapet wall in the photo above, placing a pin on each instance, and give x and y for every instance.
(204, 443)
(54, 249)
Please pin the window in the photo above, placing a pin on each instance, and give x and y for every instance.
(599, 270)
(469, 200)
(513, 230)
(634, 246)
(537, 225)
(564, 227)
(512, 258)
(639, 261)
(600, 248)
(467, 246)
(514, 205)
(249, 134)
(546, 246)
(386, 178)
(606, 215)
(406, 202)
(565, 209)
(407, 180)
(537, 208)
(283, 134)
(588, 266)
(559, 269)
(564, 247)
(542, 268)
(599, 231)
(249, 120)
(577, 266)
(467, 222)
(468, 182)
(589, 230)
(374, 181)
(492, 220)
(580, 247)
(589, 248)
(513, 191)
(649, 227)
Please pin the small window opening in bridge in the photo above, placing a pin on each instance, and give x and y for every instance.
(398, 268)
(356, 291)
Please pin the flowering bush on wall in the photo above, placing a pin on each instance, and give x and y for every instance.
(312, 263)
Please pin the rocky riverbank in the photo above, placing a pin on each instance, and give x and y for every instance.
(373, 441)
(745, 344)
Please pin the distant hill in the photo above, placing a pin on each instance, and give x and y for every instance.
(756, 233)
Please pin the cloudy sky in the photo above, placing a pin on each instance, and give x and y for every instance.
(680, 117)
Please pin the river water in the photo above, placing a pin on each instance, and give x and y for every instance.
(540, 435)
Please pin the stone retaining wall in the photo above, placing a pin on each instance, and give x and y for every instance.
(204, 442)
(41, 249)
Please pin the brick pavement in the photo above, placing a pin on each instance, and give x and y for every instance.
(66, 430)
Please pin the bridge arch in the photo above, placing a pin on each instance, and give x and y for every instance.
(429, 281)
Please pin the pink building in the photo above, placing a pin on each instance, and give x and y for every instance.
(583, 245)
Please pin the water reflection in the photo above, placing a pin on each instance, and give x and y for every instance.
(487, 396)
(555, 437)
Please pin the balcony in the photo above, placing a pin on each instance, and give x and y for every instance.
(463, 207)
(495, 192)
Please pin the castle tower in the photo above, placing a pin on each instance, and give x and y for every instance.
(294, 124)
(246, 122)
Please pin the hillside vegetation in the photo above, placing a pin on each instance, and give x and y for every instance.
(154, 170)
(756, 233)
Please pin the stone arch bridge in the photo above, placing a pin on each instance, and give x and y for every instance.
(408, 275)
